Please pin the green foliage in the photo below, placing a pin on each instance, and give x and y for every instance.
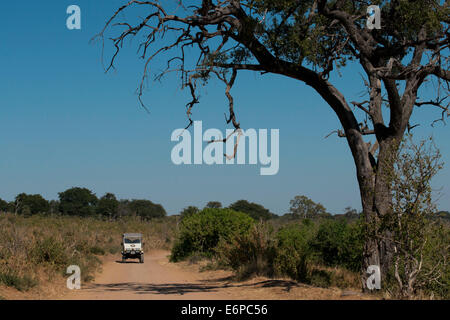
(404, 19)
(3, 205)
(188, 211)
(291, 252)
(338, 243)
(351, 214)
(20, 283)
(54, 206)
(201, 232)
(83, 202)
(25, 210)
(11, 206)
(28, 204)
(214, 204)
(77, 201)
(303, 207)
(294, 34)
(435, 262)
(254, 210)
(147, 209)
(420, 259)
(294, 251)
(108, 205)
(250, 253)
(50, 250)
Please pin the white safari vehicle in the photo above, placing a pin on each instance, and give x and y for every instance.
(132, 247)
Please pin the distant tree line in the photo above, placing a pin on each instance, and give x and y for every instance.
(254, 210)
(82, 202)
(301, 207)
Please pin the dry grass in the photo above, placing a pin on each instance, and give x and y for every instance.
(35, 251)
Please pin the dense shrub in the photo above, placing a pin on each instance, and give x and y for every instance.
(294, 251)
(338, 243)
(201, 232)
(291, 252)
(250, 253)
(434, 278)
(21, 283)
(263, 252)
(50, 250)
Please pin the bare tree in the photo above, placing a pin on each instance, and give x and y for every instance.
(307, 41)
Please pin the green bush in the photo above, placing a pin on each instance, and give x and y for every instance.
(293, 250)
(250, 253)
(20, 283)
(201, 232)
(50, 250)
(338, 243)
(434, 279)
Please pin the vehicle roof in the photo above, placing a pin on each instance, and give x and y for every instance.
(132, 235)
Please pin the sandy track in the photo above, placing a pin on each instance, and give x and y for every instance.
(159, 279)
(154, 279)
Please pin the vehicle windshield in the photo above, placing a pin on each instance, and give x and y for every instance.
(127, 240)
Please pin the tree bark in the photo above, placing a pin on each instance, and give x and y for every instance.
(376, 203)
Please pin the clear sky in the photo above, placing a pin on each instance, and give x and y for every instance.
(64, 123)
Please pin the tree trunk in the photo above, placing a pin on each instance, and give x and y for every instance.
(376, 203)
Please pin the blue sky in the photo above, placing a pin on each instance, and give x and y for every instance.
(64, 123)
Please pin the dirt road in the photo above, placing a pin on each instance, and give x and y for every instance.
(154, 279)
(159, 279)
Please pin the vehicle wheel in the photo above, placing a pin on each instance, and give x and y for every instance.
(123, 259)
(141, 259)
